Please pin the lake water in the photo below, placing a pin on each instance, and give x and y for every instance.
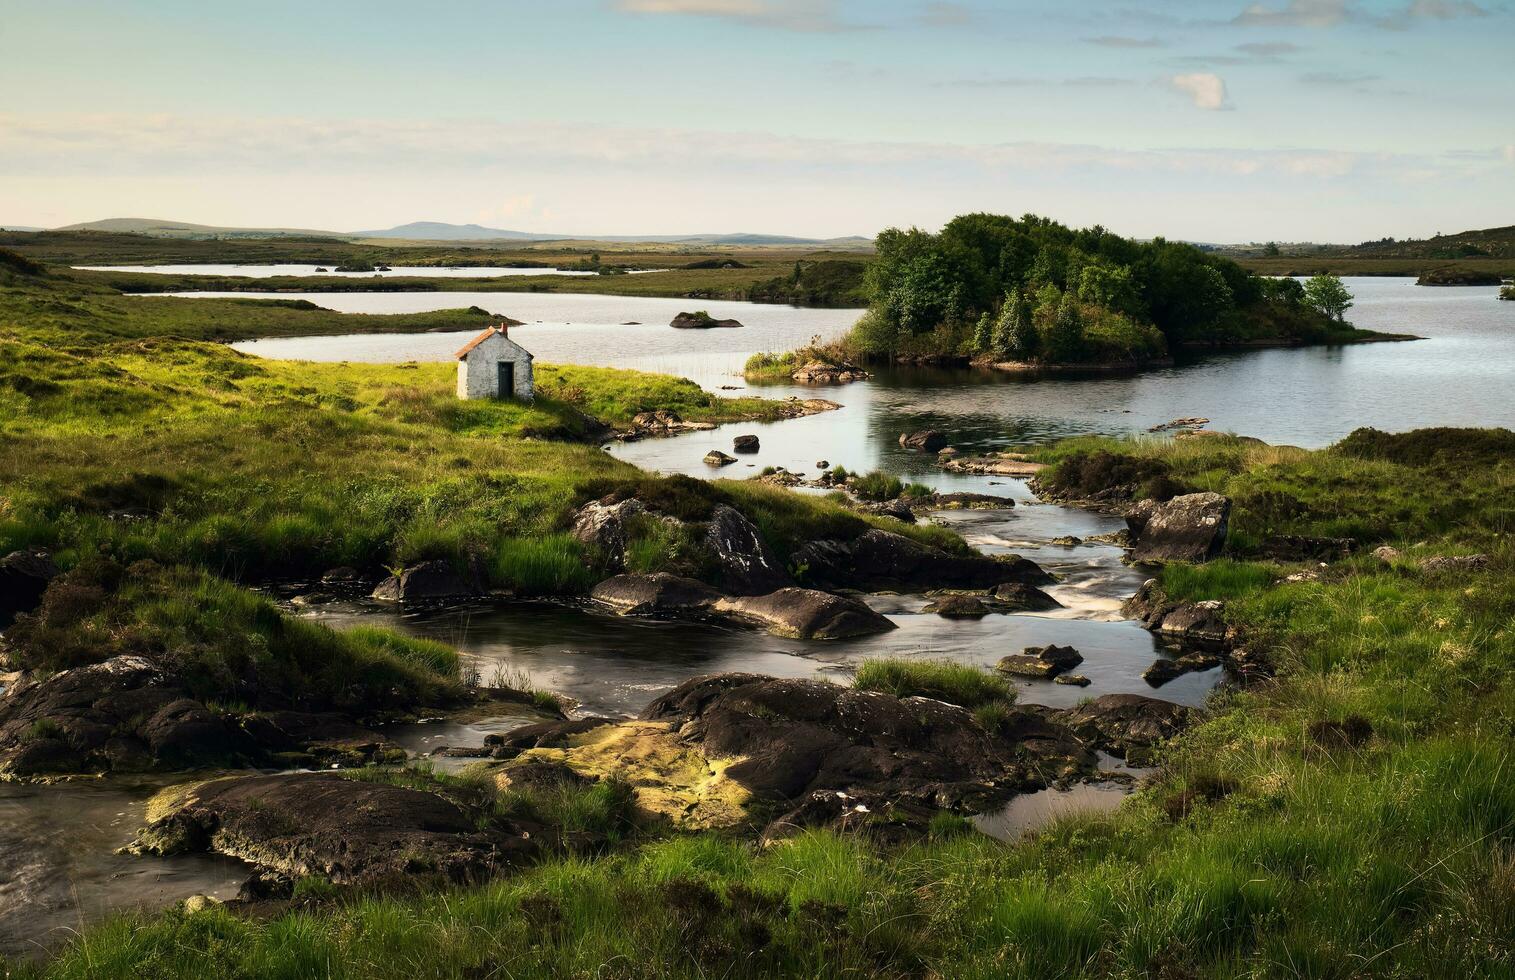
(294, 269)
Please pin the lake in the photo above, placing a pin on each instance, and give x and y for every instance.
(295, 269)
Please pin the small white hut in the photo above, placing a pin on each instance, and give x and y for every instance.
(494, 366)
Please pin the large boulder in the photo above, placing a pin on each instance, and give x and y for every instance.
(1191, 527)
(805, 614)
(656, 594)
(1200, 624)
(926, 441)
(24, 576)
(1020, 597)
(745, 565)
(795, 737)
(430, 581)
(1127, 724)
(1043, 662)
(745, 444)
(349, 832)
(957, 606)
(879, 560)
(602, 527)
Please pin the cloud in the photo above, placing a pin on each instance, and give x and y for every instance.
(1509, 153)
(1268, 50)
(1026, 81)
(1296, 13)
(1206, 90)
(1445, 9)
(791, 15)
(1337, 79)
(1116, 41)
(942, 13)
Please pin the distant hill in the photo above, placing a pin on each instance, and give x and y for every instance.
(438, 231)
(1487, 243)
(19, 228)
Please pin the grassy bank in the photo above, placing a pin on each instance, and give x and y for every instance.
(1351, 817)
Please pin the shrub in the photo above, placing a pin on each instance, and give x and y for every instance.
(877, 486)
(944, 680)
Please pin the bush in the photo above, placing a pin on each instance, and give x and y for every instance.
(1102, 473)
(877, 486)
(1432, 447)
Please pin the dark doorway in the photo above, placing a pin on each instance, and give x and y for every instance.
(507, 379)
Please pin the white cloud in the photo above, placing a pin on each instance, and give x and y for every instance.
(794, 15)
(1445, 9)
(1296, 13)
(1120, 41)
(1509, 153)
(1207, 90)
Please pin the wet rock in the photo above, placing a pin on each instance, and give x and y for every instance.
(700, 321)
(795, 737)
(971, 501)
(657, 594)
(24, 576)
(805, 614)
(1191, 527)
(1072, 680)
(601, 526)
(897, 509)
(880, 560)
(543, 735)
(1163, 671)
(350, 832)
(745, 444)
(717, 458)
(1067, 541)
(1123, 724)
(886, 820)
(1019, 597)
(926, 441)
(745, 564)
(430, 581)
(1044, 662)
(1454, 564)
(958, 607)
(346, 579)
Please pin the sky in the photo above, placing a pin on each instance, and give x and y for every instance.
(1206, 120)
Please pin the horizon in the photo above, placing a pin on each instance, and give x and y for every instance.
(1287, 120)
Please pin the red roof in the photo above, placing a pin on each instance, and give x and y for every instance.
(479, 340)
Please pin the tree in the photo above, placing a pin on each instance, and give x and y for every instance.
(1271, 250)
(1065, 340)
(1329, 295)
(1025, 342)
(983, 334)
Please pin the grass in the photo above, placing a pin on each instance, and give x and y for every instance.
(942, 680)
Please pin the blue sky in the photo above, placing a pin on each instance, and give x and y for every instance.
(1222, 120)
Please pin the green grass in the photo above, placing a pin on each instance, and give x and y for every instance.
(943, 680)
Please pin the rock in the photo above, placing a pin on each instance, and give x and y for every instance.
(1440, 564)
(700, 321)
(805, 614)
(1044, 662)
(822, 464)
(24, 576)
(195, 904)
(547, 734)
(958, 607)
(430, 581)
(540, 774)
(602, 527)
(662, 422)
(745, 564)
(879, 560)
(796, 408)
(1163, 671)
(825, 372)
(1019, 597)
(795, 737)
(1191, 527)
(926, 441)
(1387, 554)
(971, 501)
(1125, 723)
(897, 509)
(1190, 623)
(1067, 541)
(345, 578)
(745, 444)
(350, 832)
(1073, 680)
(991, 465)
(1185, 423)
(717, 458)
(658, 594)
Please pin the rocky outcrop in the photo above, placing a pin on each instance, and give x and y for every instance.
(349, 832)
(925, 441)
(662, 422)
(700, 320)
(1191, 527)
(127, 714)
(745, 564)
(1201, 624)
(601, 526)
(796, 737)
(657, 594)
(1019, 597)
(1127, 724)
(970, 501)
(797, 408)
(828, 373)
(430, 581)
(897, 509)
(24, 576)
(958, 607)
(991, 465)
(1042, 662)
(879, 560)
(1163, 671)
(805, 614)
(745, 444)
(717, 458)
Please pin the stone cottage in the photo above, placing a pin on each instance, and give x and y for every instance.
(492, 365)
